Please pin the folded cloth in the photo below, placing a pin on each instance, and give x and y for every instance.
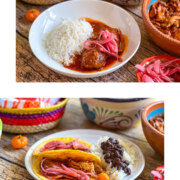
(19, 103)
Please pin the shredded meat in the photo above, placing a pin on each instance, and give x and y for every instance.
(166, 17)
(81, 165)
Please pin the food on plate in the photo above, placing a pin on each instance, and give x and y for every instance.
(117, 157)
(67, 164)
(85, 45)
(158, 122)
(160, 68)
(158, 173)
(60, 144)
(32, 14)
(108, 159)
(165, 16)
(19, 142)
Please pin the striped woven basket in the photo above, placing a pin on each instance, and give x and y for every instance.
(42, 2)
(30, 120)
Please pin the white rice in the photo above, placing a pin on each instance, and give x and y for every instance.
(128, 154)
(66, 39)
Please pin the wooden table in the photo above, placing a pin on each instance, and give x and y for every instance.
(12, 161)
(29, 69)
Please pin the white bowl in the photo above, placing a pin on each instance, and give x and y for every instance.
(108, 13)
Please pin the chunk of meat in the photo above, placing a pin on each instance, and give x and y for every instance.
(93, 59)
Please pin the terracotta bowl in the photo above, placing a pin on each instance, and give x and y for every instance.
(153, 136)
(167, 43)
(114, 113)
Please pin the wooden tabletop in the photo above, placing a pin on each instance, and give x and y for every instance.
(12, 161)
(29, 69)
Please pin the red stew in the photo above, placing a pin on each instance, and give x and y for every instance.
(98, 26)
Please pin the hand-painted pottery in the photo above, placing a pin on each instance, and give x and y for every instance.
(114, 113)
(153, 136)
(165, 42)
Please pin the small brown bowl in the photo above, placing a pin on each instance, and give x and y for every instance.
(165, 42)
(154, 137)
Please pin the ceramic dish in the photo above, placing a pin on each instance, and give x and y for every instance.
(167, 43)
(153, 136)
(90, 136)
(95, 9)
(162, 58)
(114, 113)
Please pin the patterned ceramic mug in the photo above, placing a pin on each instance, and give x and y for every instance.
(114, 113)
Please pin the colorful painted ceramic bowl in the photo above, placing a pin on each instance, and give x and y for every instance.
(114, 113)
(167, 43)
(0, 128)
(153, 136)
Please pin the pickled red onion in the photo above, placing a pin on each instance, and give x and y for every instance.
(158, 71)
(107, 45)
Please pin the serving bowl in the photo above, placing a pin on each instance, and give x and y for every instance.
(153, 136)
(94, 9)
(114, 113)
(167, 43)
(31, 120)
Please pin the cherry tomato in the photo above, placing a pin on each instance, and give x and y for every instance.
(19, 142)
(103, 176)
(32, 14)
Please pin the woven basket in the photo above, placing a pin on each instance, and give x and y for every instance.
(30, 120)
(42, 2)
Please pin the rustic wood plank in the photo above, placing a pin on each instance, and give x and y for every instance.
(10, 171)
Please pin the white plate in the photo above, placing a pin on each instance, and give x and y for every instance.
(91, 136)
(108, 13)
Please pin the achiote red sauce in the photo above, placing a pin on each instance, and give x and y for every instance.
(98, 55)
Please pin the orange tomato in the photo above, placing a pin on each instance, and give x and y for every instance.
(103, 176)
(32, 14)
(19, 142)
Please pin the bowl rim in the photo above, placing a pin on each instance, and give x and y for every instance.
(144, 13)
(121, 100)
(144, 117)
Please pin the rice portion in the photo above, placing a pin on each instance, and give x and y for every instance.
(66, 39)
(128, 154)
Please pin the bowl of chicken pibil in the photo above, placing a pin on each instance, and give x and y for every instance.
(84, 43)
(159, 68)
(162, 22)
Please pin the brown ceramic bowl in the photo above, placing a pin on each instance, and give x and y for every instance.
(154, 137)
(167, 43)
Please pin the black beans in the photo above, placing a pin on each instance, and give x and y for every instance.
(113, 154)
